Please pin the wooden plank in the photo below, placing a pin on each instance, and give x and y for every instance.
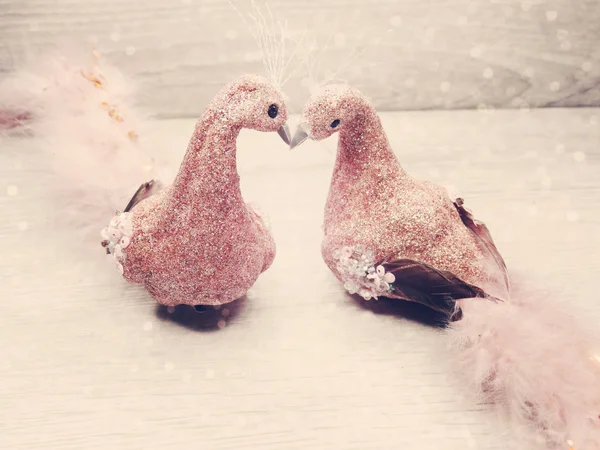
(417, 54)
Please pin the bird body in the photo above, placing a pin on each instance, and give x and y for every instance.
(197, 242)
(379, 219)
(374, 204)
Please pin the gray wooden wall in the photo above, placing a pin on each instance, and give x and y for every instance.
(417, 54)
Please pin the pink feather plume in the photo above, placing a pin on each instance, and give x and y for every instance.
(535, 362)
(71, 117)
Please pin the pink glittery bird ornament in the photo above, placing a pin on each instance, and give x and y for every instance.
(193, 241)
(197, 242)
(387, 234)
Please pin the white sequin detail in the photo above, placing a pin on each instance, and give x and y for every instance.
(360, 275)
(117, 237)
(125, 241)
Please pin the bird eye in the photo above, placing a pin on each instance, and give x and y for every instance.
(335, 123)
(273, 111)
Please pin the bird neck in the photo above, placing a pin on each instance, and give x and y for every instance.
(363, 146)
(208, 181)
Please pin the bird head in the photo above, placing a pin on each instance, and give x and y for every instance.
(333, 108)
(253, 102)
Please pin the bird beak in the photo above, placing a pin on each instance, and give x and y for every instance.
(299, 137)
(284, 133)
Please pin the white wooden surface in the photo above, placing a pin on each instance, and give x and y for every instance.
(89, 362)
(417, 54)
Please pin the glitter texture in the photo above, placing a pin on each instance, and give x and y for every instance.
(374, 204)
(197, 241)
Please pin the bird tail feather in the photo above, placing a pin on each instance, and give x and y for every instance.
(72, 120)
(536, 363)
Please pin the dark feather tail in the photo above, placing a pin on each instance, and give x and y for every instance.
(438, 290)
(144, 191)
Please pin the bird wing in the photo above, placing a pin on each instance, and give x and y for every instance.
(483, 236)
(439, 290)
(418, 282)
(144, 191)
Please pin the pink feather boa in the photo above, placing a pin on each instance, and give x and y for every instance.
(536, 363)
